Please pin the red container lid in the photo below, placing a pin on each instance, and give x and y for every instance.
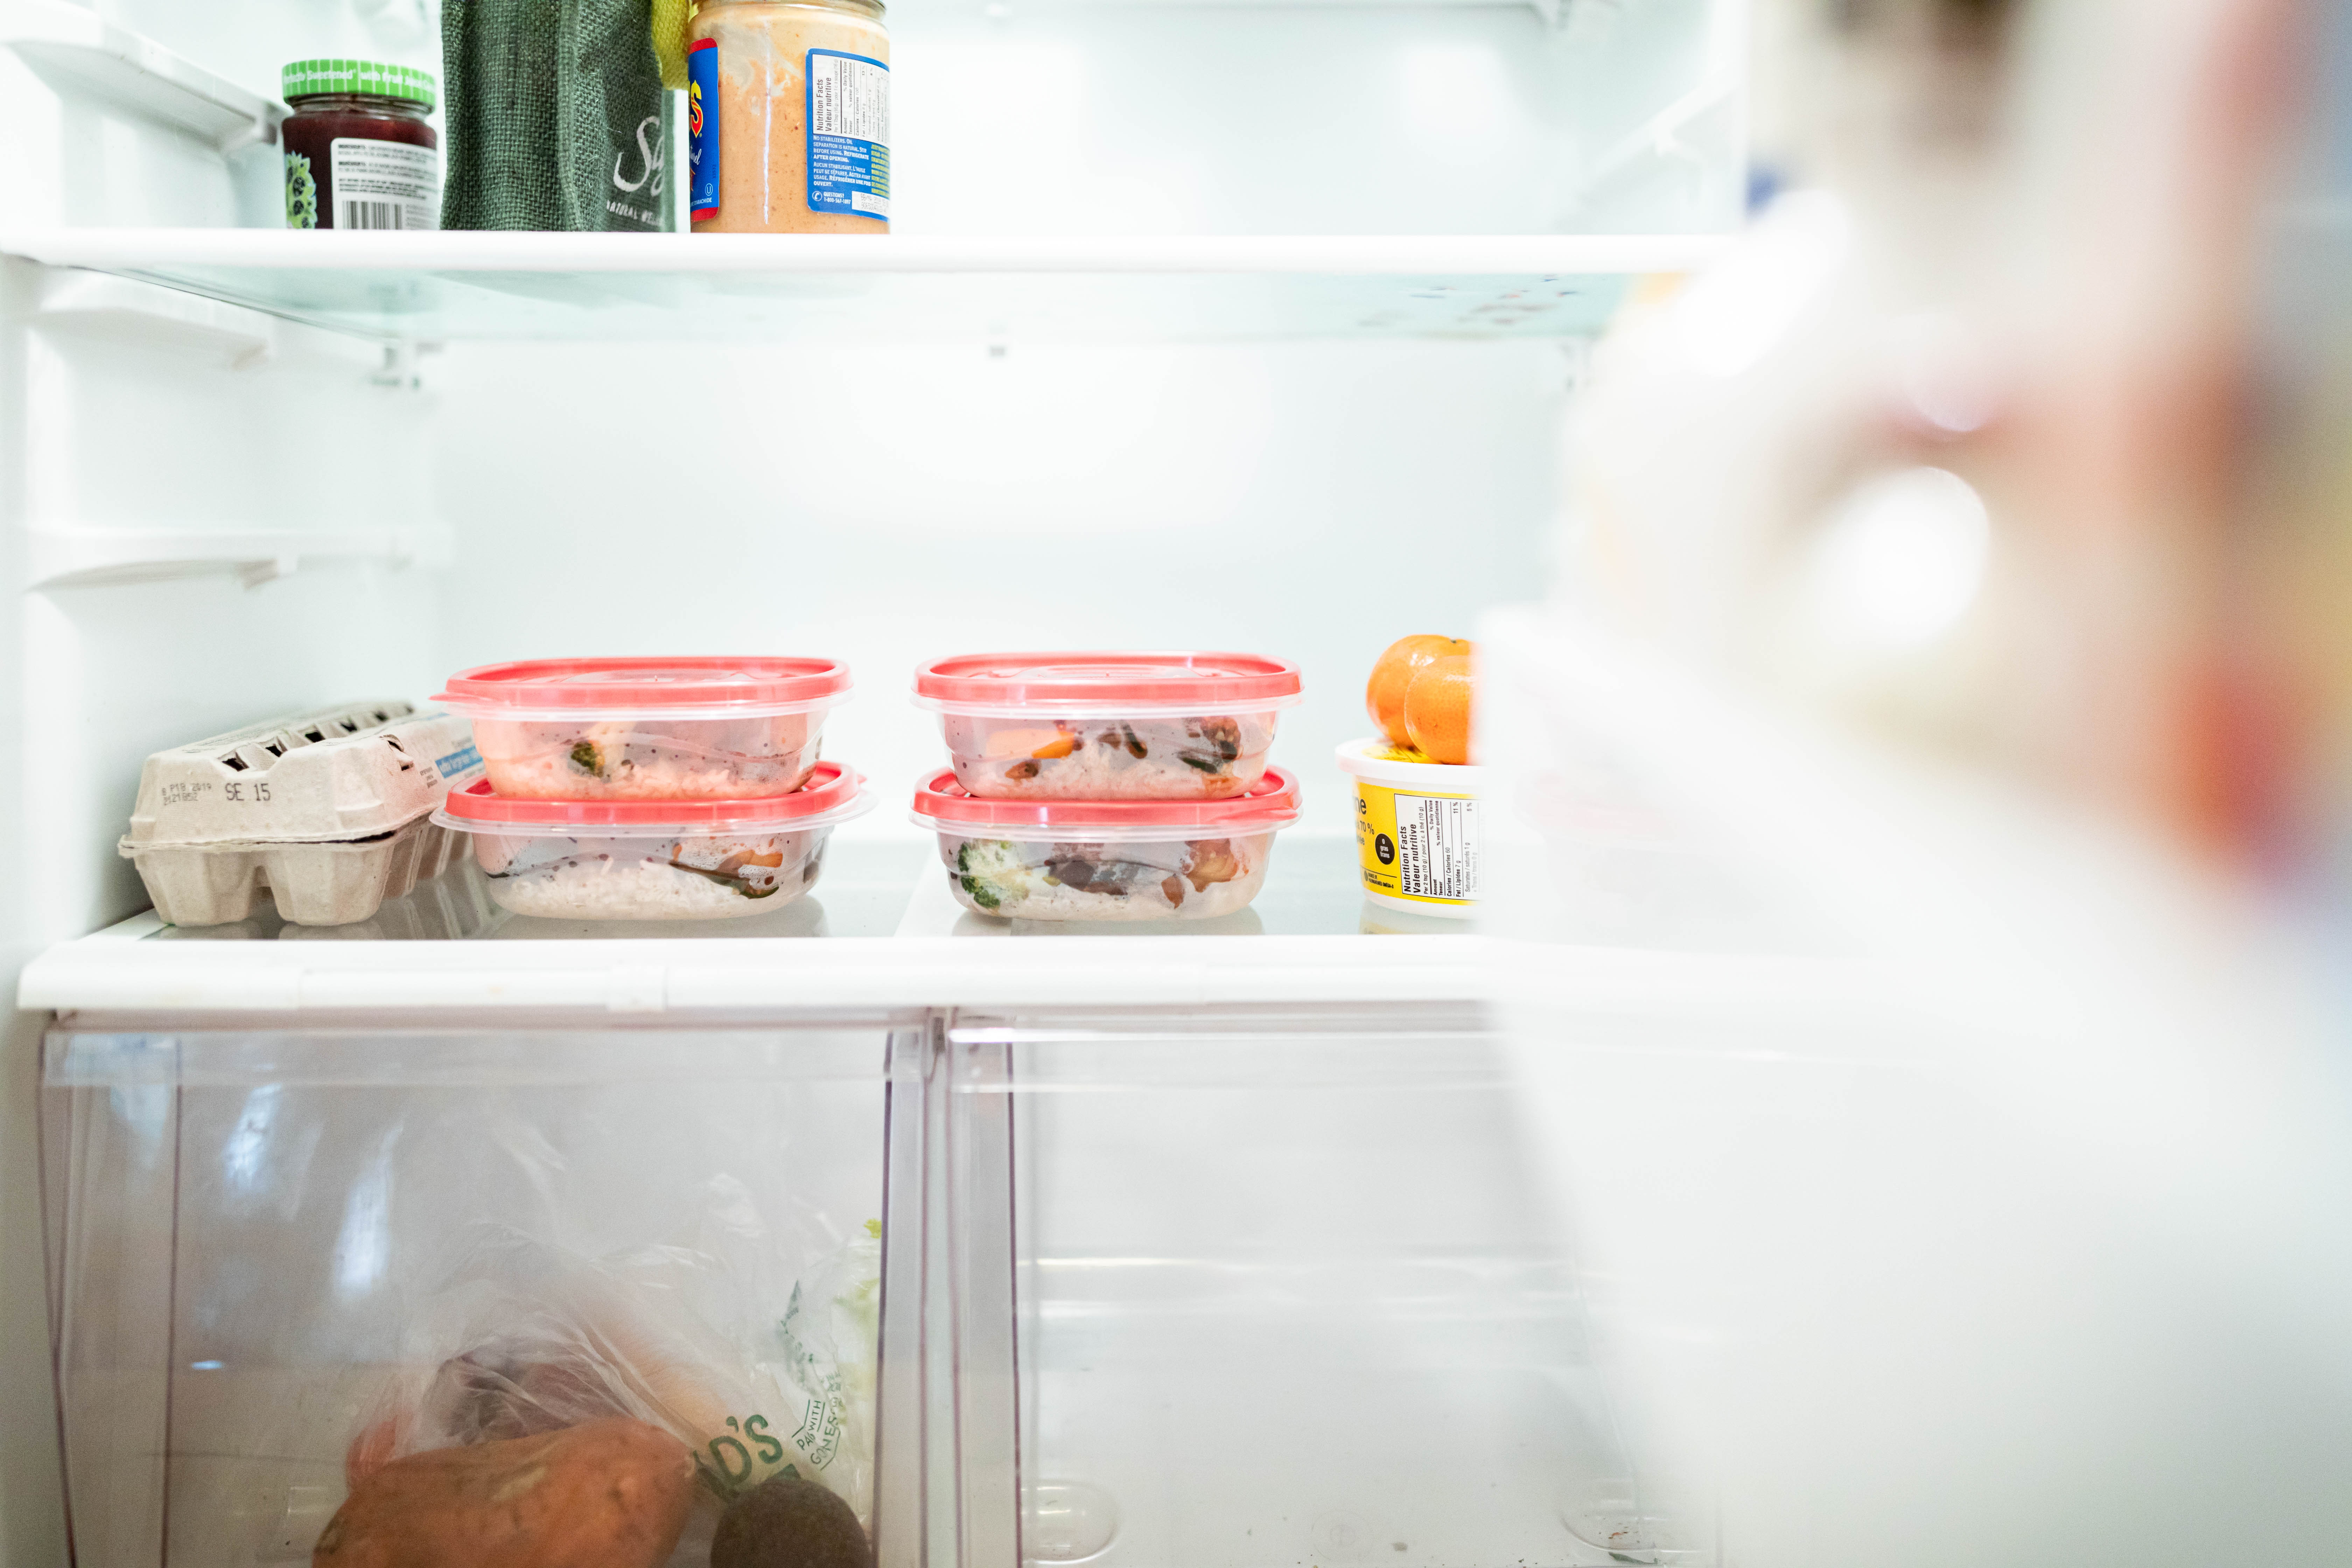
(1269, 803)
(721, 688)
(832, 795)
(1108, 684)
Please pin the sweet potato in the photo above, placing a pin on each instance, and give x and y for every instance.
(371, 1450)
(611, 1494)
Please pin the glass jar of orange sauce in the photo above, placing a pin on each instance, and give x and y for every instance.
(788, 117)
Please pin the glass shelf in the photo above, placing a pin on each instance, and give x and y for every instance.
(438, 288)
(879, 930)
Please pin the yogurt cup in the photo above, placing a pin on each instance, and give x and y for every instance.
(653, 860)
(1107, 726)
(648, 728)
(1106, 860)
(1416, 829)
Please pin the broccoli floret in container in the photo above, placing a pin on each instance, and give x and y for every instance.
(992, 873)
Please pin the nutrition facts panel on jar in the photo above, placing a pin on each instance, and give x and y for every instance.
(1437, 846)
(848, 134)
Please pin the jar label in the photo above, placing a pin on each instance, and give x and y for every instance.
(384, 185)
(848, 134)
(702, 127)
(301, 192)
(1422, 847)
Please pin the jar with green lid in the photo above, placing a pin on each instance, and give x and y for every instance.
(360, 150)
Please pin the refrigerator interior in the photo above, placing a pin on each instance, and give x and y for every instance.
(1263, 1287)
(1141, 381)
(228, 514)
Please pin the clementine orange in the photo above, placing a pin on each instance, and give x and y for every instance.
(1394, 670)
(1437, 709)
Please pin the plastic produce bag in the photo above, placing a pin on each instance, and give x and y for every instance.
(520, 1338)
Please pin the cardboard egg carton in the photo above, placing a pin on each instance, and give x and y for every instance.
(327, 810)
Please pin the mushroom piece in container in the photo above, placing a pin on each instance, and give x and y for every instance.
(1107, 726)
(650, 860)
(1106, 860)
(648, 728)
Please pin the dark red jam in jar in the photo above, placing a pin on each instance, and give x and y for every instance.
(361, 150)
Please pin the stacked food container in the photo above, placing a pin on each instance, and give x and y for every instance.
(651, 788)
(1107, 787)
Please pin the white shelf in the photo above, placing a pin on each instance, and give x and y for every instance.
(116, 972)
(93, 304)
(58, 558)
(1303, 940)
(72, 47)
(121, 975)
(443, 286)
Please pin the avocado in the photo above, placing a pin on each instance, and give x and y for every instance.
(787, 1523)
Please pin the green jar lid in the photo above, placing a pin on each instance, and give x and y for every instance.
(373, 78)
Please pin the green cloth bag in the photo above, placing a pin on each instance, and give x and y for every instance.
(556, 115)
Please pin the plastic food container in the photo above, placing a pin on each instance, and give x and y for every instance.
(645, 860)
(1106, 860)
(1107, 726)
(648, 728)
(1416, 829)
(328, 810)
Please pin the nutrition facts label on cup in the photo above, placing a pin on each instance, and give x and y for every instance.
(1437, 846)
(848, 134)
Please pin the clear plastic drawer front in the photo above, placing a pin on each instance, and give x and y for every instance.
(1213, 1288)
(1280, 1290)
(280, 1262)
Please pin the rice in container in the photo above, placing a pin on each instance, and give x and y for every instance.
(651, 860)
(1107, 726)
(1106, 860)
(648, 728)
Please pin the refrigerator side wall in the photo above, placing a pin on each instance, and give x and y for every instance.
(146, 440)
(32, 1513)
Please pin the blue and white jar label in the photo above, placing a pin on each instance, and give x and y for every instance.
(848, 134)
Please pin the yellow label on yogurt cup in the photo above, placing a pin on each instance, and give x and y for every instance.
(1416, 829)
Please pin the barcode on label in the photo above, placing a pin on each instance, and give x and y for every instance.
(372, 214)
(384, 185)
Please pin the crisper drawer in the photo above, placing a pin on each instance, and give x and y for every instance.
(1266, 1290)
(277, 1260)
